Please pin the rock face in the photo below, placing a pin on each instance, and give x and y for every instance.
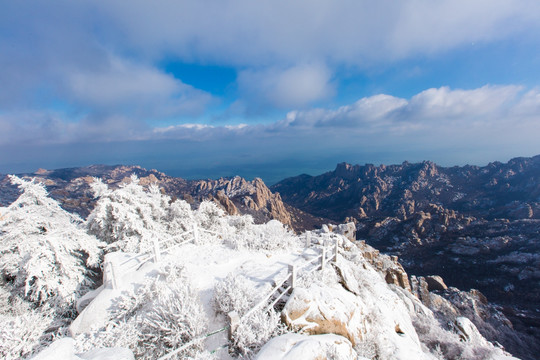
(318, 310)
(477, 227)
(472, 316)
(495, 191)
(435, 282)
(251, 197)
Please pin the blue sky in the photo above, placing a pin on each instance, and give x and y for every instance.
(276, 88)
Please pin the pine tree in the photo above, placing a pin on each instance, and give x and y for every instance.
(45, 253)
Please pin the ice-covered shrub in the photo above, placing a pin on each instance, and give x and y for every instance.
(121, 333)
(179, 217)
(23, 330)
(45, 254)
(23, 334)
(270, 236)
(241, 223)
(255, 330)
(209, 216)
(158, 318)
(326, 277)
(367, 349)
(440, 341)
(235, 293)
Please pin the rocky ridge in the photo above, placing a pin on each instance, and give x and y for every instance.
(477, 227)
(448, 304)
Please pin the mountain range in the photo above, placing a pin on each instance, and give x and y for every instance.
(477, 227)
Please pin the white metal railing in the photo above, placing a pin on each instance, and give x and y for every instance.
(293, 270)
(281, 288)
(159, 247)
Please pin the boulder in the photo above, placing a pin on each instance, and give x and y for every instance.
(302, 347)
(348, 230)
(63, 348)
(325, 310)
(435, 282)
(467, 331)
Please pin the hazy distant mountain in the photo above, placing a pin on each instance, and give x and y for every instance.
(510, 190)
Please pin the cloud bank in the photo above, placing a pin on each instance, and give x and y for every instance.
(435, 113)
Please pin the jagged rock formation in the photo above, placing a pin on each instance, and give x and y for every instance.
(495, 191)
(251, 197)
(477, 227)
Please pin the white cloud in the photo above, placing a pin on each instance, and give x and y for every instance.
(440, 112)
(248, 33)
(105, 57)
(124, 84)
(529, 104)
(444, 103)
(296, 86)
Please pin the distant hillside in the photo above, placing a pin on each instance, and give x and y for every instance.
(71, 187)
(498, 190)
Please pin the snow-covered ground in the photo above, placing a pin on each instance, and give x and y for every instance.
(156, 303)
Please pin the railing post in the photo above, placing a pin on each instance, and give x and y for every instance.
(336, 248)
(234, 321)
(114, 285)
(110, 280)
(323, 258)
(308, 239)
(157, 252)
(292, 274)
(196, 233)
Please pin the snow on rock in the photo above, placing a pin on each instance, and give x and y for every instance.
(60, 349)
(326, 310)
(302, 347)
(64, 349)
(469, 332)
(375, 314)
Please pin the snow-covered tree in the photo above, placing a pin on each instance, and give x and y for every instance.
(23, 330)
(45, 253)
(270, 236)
(158, 318)
(130, 217)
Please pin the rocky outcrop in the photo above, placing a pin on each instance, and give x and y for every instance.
(475, 226)
(238, 195)
(472, 316)
(321, 310)
(435, 282)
